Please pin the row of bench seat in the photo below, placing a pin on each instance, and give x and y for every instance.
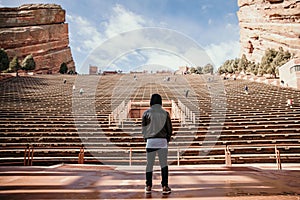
(42, 111)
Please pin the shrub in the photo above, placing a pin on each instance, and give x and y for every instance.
(270, 62)
(63, 68)
(229, 66)
(4, 60)
(193, 70)
(199, 70)
(208, 68)
(273, 59)
(196, 70)
(243, 64)
(28, 63)
(14, 65)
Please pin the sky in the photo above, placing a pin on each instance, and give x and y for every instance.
(115, 34)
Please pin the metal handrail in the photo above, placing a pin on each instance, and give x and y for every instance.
(29, 152)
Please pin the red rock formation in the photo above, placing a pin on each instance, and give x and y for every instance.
(37, 29)
(269, 24)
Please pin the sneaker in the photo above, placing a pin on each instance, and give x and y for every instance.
(166, 190)
(148, 189)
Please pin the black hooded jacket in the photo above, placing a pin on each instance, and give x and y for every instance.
(156, 123)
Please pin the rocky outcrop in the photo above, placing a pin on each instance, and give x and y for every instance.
(37, 29)
(269, 24)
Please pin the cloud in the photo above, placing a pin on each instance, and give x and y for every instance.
(91, 30)
(168, 60)
(223, 51)
(230, 15)
(205, 8)
(123, 20)
(91, 35)
(148, 46)
(150, 60)
(86, 36)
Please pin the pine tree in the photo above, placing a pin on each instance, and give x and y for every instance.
(243, 64)
(4, 60)
(208, 68)
(14, 65)
(28, 63)
(63, 68)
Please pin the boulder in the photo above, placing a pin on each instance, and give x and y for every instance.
(269, 24)
(37, 29)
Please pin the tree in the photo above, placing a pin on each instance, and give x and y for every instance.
(28, 63)
(4, 60)
(266, 62)
(243, 64)
(230, 67)
(221, 70)
(225, 67)
(270, 62)
(261, 70)
(253, 68)
(280, 59)
(193, 70)
(208, 68)
(273, 59)
(14, 65)
(71, 72)
(63, 68)
(199, 70)
(235, 64)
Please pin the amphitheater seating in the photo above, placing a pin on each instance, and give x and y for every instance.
(56, 120)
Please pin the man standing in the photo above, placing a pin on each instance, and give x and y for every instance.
(157, 131)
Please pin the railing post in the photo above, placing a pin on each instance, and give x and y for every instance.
(31, 159)
(227, 157)
(25, 156)
(28, 156)
(129, 108)
(178, 157)
(130, 156)
(278, 160)
(194, 118)
(81, 156)
(181, 117)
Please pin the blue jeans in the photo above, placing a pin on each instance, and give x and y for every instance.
(163, 161)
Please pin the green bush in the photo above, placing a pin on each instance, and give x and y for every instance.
(14, 65)
(273, 59)
(208, 69)
(28, 63)
(63, 68)
(270, 62)
(199, 70)
(243, 64)
(229, 66)
(202, 70)
(193, 70)
(4, 60)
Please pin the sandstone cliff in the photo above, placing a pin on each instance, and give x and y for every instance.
(37, 29)
(269, 24)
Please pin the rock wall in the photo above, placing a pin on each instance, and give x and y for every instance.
(269, 24)
(37, 29)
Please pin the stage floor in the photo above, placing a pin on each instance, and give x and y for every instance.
(255, 182)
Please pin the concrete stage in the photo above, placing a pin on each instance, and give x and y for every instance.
(125, 182)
